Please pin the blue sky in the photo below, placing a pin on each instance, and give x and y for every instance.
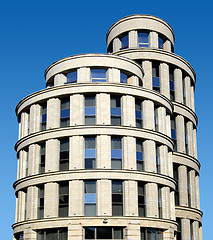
(36, 33)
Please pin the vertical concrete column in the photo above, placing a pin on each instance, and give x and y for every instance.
(35, 116)
(180, 133)
(76, 198)
(23, 163)
(178, 85)
(197, 191)
(133, 80)
(162, 119)
(189, 136)
(33, 159)
(200, 233)
(52, 155)
(59, 79)
(195, 227)
(76, 153)
(30, 234)
(116, 44)
(18, 167)
(53, 113)
(192, 98)
(153, 39)
(24, 124)
(165, 193)
(75, 230)
(129, 153)
(167, 46)
(36, 158)
(168, 125)
(19, 128)
(182, 183)
(172, 205)
(164, 79)
(21, 206)
(84, 75)
(32, 206)
(133, 230)
(77, 109)
(195, 142)
(192, 188)
(151, 199)
(187, 82)
(163, 152)
(103, 108)
(51, 199)
(103, 156)
(148, 114)
(128, 110)
(113, 75)
(169, 234)
(149, 155)
(147, 79)
(104, 197)
(170, 164)
(185, 226)
(133, 39)
(17, 208)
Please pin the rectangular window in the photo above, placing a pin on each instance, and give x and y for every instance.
(139, 155)
(186, 136)
(90, 152)
(191, 230)
(115, 103)
(175, 175)
(157, 158)
(52, 234)
(188, 187)
(141, 200)
(65, 112)
(116, 152)
(64, 155)
(173, 132)
(117, 198)
(63, 199)
(151, 234)
(155, 76)
(40, 201)
(27, 160)
(90, 198)
(171, 83)
(103, 233)
(98, 75)
(160, 43)
(138, 113)
(90, 110)
(178, 234)
(72, 77)
(42, 158)
(43, 116)
(160, 201)
(125, 41)
(143, 39)
(184, 94)
(123, 78)
(19, 236)
(156, 118)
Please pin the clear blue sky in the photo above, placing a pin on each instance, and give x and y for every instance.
(36, 33)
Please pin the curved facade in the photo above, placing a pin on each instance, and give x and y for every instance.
(108, 149)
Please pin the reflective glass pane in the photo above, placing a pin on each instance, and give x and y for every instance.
(172, 87)
(138, 114)
(143, 37)
(90, 163)
(117, 187)
(90, 186)
(115, 121)
(90, 210)
(44, 118)
(65, 122)
(116, 153)
(64, 145)
(160, 43)
(125, 41)
(123, 78)
(115, 111)
(139, 147)
(89, 233)
(90, 111)
(65, 104)
(98, 73)
(118, 233)
(90, 153)
(104, 233)
(89, 198)
(139, 156)
(116, 143)
(72, 76)
(90, 120)
(156, 81)
(90, 101)
(65, 113)
(115, 102)
(117, 210)
(90, 142)
(140, 165)
(116, 164)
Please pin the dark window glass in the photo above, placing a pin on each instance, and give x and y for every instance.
(64, 155)
(141, 200)
(175, 175)
(155, 76)
(143, 39)
(160, 42)
(123, 78)
(98, 75)
(19, 236)
(116, 152)
(115, 103)
(43, 116)
(90, 110)
(157, 159)
(171, 83)
(151, 234)
(125, 42)
(90, 152)
(63, 199)
(138, 113)
(65, 112)
(178, 234)
(117, 198)
(173, 132)
(72, 77)
(103, 233)
(40, 201)
(188, 187)
(160, 202)
(139, 155)
(90, 198)
(52, 234)
(89, 233)
(156, 118)
(42, 158)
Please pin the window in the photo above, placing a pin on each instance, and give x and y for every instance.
(143, 39)
(90, 198)
(19, 236)
(65, 112)
(160, 42)
(173, 132)
(184, 94)
(63, 199)
(103, 233)
(186, 136)
(123, 78)
(90, 152)
(175, 175)
(151, 234)
(116, 152)
(157, 158)
(40, 201)
(25, 201)
(42, 158)
(171, 83)
(141, 200)
(72, 77)
(52, 234)
(98, 75)
(156, 118)
(160, 201)
(117, 198)
(125, 41)
(188, 187)
(138, 113)
(115, 103)
(178, 234)
(191, 230)
(27, 160)
(155, 76)
(64, 155)
(43, 116)
(139, 155)
(90, 110)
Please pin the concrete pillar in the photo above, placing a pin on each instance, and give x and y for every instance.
(180, 133)
(170, 164)
(192, 188)
(84, 75)
(153, 39)
(169, 234)
(51, 199)
(192, 98)
(17, 208)
(21, 206)
(178, 84)
(129, 153)
(189, 136)
(187, 82)
(197, 191)
(24, 124)
(130, 198)
(172, 205)
(133, 80)
(116, 44)
(103, 158)
(166, 211)
(149, 156)
(35, 118)
(33, 159)
(59, 79)
(104, 197)
(168, 125)
(128, 110)
(182, 183)
(19, 128)
(103, 108)
(76, 109)
(163, 159)
(195, 142)
(148, 115)
(23, 163)
(132, 231)
(164, 79)
(113, 75)
(200, 233)
(147, 79)
(151, 200)
(185, 227)
(32, 206)
(52, 155)
(30, 234)
(36, 158)
(76, 198)
(162, 119)
(133, 39)
(53, 113)
(167, 46)
(75, 231)
(195, 227)
(76, 152)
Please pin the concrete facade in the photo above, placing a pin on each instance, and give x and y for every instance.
(110, 145)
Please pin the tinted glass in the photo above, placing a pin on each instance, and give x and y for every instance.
(90, 143)
(72, 76)
(90, 120)
(123, 78)
(90, 233)
(116, 143)
(125, 41)
(90, 101)
(115, 102)
(143, 37)
(117, 187)
(104, 233)
(65, 104)
(90, 187)
(90, 210)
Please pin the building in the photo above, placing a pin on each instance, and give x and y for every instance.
(108, 149)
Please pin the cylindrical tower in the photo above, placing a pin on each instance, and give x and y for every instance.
(108, 149)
